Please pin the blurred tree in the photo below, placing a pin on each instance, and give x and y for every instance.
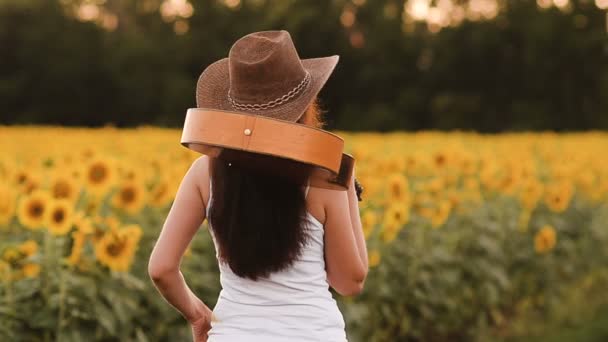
(488, 65)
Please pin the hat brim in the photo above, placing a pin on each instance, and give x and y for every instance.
(213, 84)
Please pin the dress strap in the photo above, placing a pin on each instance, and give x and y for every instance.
(210, 193)
(307, 187)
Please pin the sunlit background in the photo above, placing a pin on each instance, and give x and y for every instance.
(478, 129)
(485, 65)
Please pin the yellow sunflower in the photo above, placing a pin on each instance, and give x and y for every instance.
(558, 196)
(78, 241)
(99, 176)
(83, 223)
(60, 217)
(32, 209)
(11, 255)
(64, 187)
(31, 270)
(374, 258)
(77, 172)
(130, 197)
(134, 173)
(441, 214)
(368, 221)
(6, 168)
(545, 239)
(395, 218)
(7, 205)
(28, 248)
(92, 205)
(21, 177)
(398, 188)
(389, 232)
(371, 185)
(27, 181)
(440, 160)
(116, 249)
(160, 195)
(398, 213)
(530, 194)
(471, 184)
(435, 187)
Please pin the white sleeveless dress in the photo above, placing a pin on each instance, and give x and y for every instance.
(294, 305)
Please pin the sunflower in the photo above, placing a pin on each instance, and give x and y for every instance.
(160, 194)
(6, 168)
(395, 217)
(416, 164)
(456, 198)
(398, 213)
(21, 177)
(558, 196)
(32, 208)
(111, 221)
(530, 194)
(27, 181)
(31, 270)
(99, 176)
(59, 217)
(435, 186)
(7, 205)
(77, 172)
(440, 160)
(368, 221)
(78, 240)
(11, 255)
(389, 232)
(586, 179)
(441, 214)
(116, 249)
(64, 187)
(130, 197)
(398, 188)
(28, 248)
(371, 184)
(373, 258)
(83, 223)
(469, 165)
(545, 239)
(133, 173)
(509, 183)
(93, 205)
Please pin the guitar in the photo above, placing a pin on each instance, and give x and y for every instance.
(285, 149)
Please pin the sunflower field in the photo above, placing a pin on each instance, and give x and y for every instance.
(471, 237)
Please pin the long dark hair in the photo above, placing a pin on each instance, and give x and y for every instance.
(258, 219)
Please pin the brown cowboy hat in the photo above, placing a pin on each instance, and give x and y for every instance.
(264, 75)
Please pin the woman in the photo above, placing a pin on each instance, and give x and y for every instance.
(279, 245)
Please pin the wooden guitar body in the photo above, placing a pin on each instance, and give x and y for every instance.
(286, 149)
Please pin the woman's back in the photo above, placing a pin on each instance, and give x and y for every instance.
(290, 305)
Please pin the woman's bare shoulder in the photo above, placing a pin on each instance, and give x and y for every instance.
(319, 200)
(201, 167)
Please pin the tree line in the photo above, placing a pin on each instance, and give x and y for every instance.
(528, 68)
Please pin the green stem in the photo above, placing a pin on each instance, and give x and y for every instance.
(10, 299)
(48, 255)
(62, 292)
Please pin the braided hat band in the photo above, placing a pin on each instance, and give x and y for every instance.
(260, 106)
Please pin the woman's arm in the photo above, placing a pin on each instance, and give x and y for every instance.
(185, 217)
(345, 250)
(355, 218)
